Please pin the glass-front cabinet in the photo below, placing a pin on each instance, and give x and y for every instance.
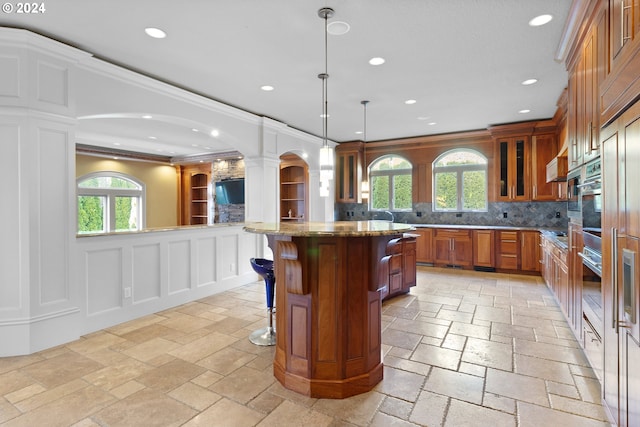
(349, 172)
(513, 174)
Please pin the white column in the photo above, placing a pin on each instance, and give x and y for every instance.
(39, 297)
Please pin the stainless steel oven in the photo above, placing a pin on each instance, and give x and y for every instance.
(573, 193)
(590, 211)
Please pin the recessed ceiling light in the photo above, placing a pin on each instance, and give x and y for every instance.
(376, 61)
(267, 88)
(305, 155)
(147, 116)
(156, 33)
(338, 28)
(358, 132)
(195, 130)
(423, 118)
(529, 82)
(153, 137)
(525, 111)
(116, 143)
(215, 133)
(540, 20)
(410, 101)
(432, 123)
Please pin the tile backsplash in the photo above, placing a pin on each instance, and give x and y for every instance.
(520, 214)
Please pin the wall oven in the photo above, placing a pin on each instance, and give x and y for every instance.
(573, 193)
(590, 202)
(591, 213)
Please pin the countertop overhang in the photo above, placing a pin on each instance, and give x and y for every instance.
(337, 228)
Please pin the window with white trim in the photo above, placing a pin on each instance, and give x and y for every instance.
(390, 184)
(460, 181)
(108, 202)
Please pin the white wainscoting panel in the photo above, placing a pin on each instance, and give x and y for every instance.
(146, 273)
(179, 265)
(206, 261)
(103, 280)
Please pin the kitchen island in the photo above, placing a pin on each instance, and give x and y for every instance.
(328, 304)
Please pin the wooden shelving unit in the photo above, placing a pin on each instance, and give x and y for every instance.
(196, 180)
(293, 189)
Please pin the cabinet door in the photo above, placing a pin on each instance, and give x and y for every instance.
(442, 246)
(513, 168)
(348, 177)
(424, 245)
(408, 264)
(530, 250)
(591, 142)
(543, 150)
(483, 248)
(632, 174)
(462, 251)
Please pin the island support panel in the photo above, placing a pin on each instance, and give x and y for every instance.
(328, 319)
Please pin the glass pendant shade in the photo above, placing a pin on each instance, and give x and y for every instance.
(326, 163)
(365, 189)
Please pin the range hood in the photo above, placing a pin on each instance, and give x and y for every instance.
(557, 169)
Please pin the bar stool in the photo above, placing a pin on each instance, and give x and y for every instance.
(266, 335)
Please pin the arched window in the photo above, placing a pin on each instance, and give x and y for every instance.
(109, 201)
(460, 181)
(390, 178)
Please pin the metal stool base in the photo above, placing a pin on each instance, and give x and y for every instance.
(263, 336)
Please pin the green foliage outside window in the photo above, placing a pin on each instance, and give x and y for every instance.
(474, 190)
(90, 214)
(402, 192)
(390, 181)
(99, 195)
(460, 181)
(380, 192)
(446, 191)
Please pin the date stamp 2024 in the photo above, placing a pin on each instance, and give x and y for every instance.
(24, 8)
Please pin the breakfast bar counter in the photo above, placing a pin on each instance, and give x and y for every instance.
(328, 304)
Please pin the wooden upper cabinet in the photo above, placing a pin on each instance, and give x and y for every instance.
(624, 25)
(348, 172)
(543, 150)
(512, 164)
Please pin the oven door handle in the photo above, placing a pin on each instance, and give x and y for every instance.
(590, 260)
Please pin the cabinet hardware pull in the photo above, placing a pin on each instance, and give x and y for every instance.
(614, 279)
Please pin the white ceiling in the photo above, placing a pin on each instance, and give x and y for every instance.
(463, 61)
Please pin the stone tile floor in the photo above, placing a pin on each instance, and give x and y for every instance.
(461, 349)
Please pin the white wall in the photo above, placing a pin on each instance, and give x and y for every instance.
(54, 286)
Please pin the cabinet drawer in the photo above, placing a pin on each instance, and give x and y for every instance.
(395, 264)
(453, 233)
(508, 261)
(509, 247)
(509, 235)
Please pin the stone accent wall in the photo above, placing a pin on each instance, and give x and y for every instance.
(520, 214)
(228, 169)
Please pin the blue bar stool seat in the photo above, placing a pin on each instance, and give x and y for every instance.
(266, 335)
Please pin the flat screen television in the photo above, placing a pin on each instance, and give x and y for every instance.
(230, 192)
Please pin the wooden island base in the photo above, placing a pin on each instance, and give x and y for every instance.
(329, 305)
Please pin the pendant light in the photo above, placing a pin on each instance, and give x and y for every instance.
(326, 152)
(365, 178)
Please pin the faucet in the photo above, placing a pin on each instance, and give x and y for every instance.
(391, 215)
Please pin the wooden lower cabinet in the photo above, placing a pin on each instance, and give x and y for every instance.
(507, 250)
(530, 250)
(401, 265)
(453, 247)
(483, 248)
(424, 245)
